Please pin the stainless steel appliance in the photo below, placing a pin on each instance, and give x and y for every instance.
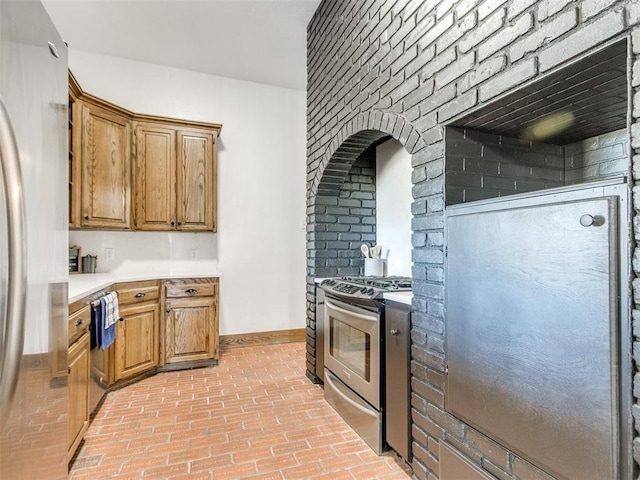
(33, 244)
(397, 352)
(538, 326)
(320, 333)
(353, 354)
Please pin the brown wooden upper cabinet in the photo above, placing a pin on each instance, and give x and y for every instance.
(106, 163)
(75, 144)
(175, 178)
(132, 171)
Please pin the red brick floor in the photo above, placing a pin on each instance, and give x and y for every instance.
(254, 416)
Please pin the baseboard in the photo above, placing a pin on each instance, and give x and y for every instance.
(263, 338)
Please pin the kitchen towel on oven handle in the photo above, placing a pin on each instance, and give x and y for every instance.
(110, 314)
(104, 314)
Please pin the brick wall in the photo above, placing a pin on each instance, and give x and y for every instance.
(481, 165)
(406, 68)
(598, 157)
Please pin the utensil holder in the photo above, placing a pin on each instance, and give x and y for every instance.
(373, 267)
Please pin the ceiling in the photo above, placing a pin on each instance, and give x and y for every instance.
(582, 100)
(260, 41)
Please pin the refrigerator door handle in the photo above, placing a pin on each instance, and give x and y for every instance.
(12, 325)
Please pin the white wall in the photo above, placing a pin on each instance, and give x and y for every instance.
(260, 244)
(393, 206)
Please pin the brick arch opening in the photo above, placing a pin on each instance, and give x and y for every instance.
(353, 139)
(341, 204)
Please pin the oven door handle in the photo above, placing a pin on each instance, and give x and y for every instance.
(336, 389)
(333, 306)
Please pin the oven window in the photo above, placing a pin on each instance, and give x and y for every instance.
(351, 347)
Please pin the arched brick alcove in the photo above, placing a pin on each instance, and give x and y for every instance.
(341, 211)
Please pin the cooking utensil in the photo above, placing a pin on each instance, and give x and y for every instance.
(365, 250)
(375, 251)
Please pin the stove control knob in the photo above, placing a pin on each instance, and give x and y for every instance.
(363, 290)
(370, 291)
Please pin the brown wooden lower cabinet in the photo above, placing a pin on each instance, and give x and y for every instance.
(136, 345)
(78, 359)
(190, 330)
(186, 337)
(191, 320)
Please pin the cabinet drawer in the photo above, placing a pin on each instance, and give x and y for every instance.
(194, 289)
(79, 323)
(137, 292)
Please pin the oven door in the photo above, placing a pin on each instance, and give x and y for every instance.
(352, 348)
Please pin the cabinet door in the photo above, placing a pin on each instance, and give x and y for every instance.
(397, 345)
(75, 167)
(191, 330)
(155, 202)
(106, 190)
(78, 357)
(102, 366)
(195, 181)
(136, 345)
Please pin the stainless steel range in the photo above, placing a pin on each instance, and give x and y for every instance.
(365, 291)
(353, 354)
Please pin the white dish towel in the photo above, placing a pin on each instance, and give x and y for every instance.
(110, 313)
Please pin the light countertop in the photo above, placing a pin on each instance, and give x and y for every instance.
(400, 297)
(83, 284)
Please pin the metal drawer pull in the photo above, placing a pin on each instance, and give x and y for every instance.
(139, 295)
(79, 322)
(394, 332)
(191, 291)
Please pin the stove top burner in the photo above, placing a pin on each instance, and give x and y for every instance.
(386, 283)
(359, 289)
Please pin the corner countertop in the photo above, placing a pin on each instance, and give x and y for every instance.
(83, 284)
(400, 297)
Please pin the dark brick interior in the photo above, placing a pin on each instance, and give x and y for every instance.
(342, 220)
(408, 69)
(481, 165)
(593, 89)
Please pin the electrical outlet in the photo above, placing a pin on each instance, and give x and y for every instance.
(109, 254)
(194, 253)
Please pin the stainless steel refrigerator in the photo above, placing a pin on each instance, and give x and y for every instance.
(33, 244)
